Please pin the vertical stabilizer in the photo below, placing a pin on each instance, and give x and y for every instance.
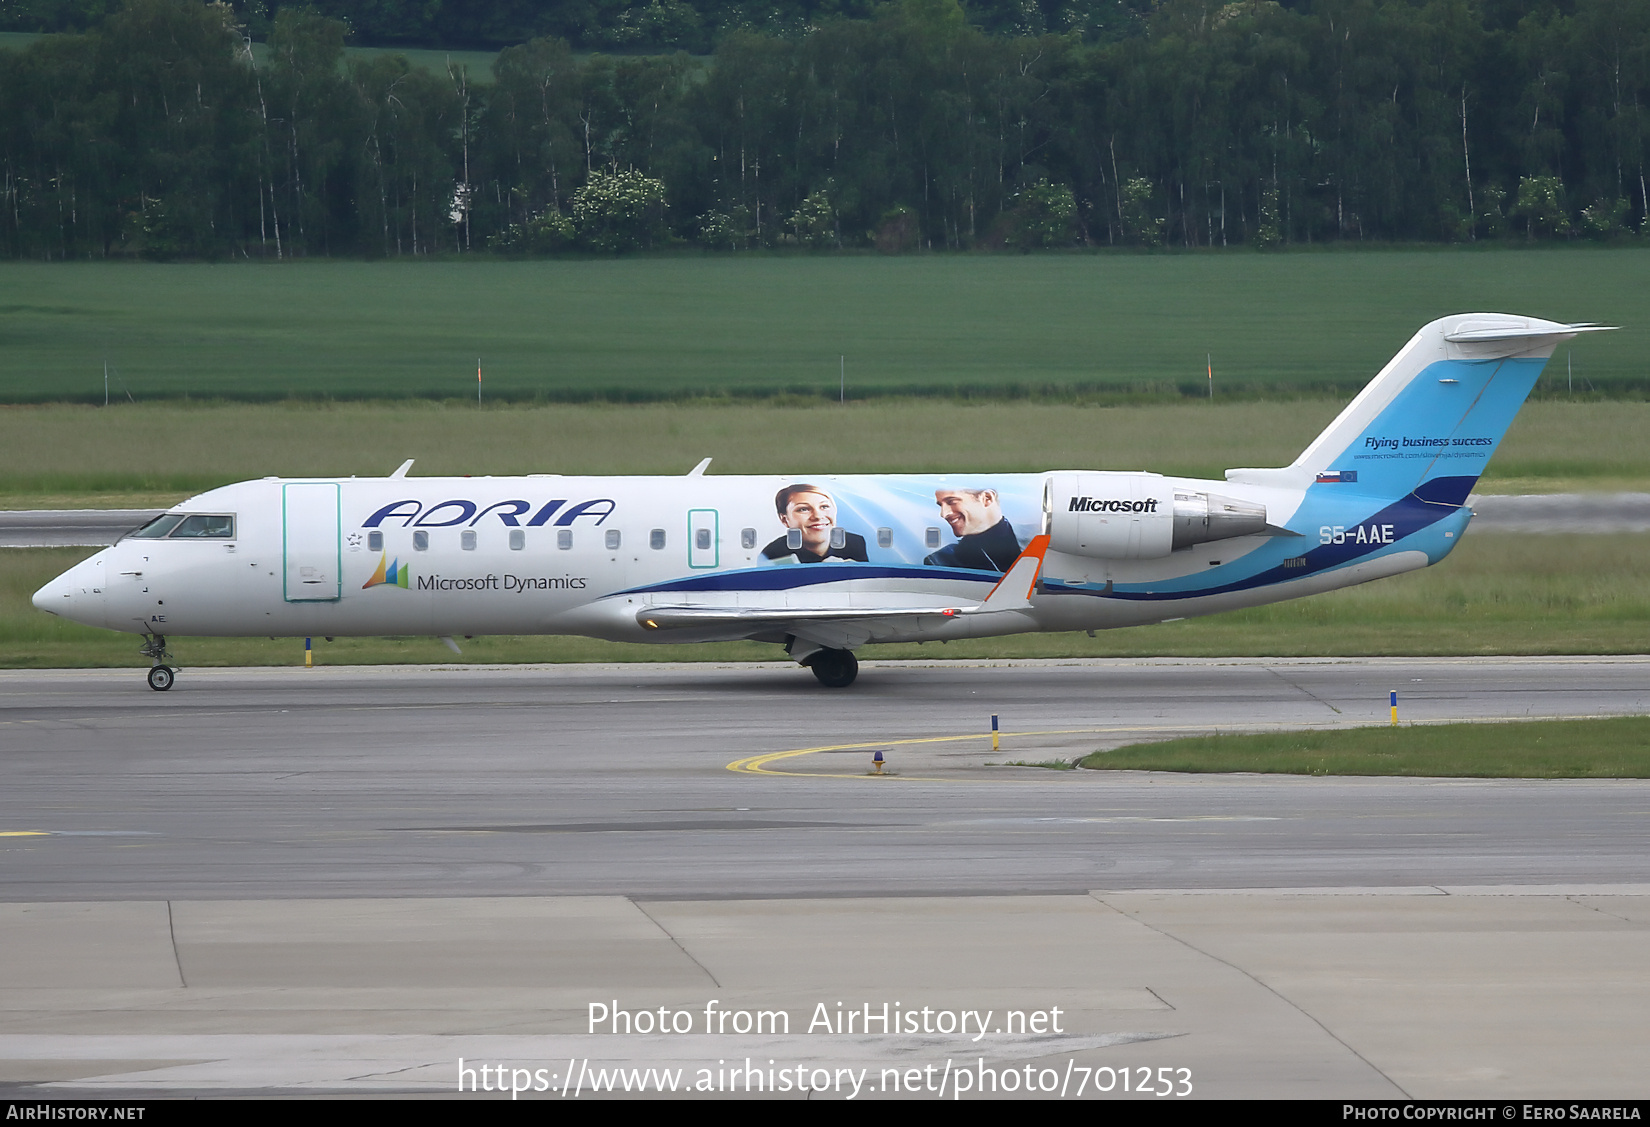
(1429, 422)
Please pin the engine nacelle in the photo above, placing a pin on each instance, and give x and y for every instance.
(1138, 516)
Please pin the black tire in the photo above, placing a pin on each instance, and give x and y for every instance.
(835, 669)
(161, 677)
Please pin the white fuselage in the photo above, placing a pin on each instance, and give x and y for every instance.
(824, 564)
(584, 555)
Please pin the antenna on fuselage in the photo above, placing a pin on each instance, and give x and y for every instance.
(699, 470)
(401, 471)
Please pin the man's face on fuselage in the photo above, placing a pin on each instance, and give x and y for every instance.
(814, 514)
(968, 513)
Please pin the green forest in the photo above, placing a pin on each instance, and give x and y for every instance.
(156, 130)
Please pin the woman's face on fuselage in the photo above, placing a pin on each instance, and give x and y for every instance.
(814, 514)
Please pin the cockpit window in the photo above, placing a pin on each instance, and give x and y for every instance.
(187, 526)
(203, 527)
(157, 528)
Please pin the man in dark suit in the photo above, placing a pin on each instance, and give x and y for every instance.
(809, 515)
(985, 539)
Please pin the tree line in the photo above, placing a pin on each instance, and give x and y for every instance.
(163, 132)
(632, 26)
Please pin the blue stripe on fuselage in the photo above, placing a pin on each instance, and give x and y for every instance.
(1327, 506)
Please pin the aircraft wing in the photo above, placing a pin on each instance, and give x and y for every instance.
(848, 626)
(667, 618)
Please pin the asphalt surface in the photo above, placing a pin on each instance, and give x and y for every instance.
(69, 528)
(470, 781)
(361, 881)
(1558, 512)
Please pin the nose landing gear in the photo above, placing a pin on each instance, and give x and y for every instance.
(161, 675)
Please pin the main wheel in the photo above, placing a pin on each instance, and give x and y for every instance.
(835, 669)
(161, 677)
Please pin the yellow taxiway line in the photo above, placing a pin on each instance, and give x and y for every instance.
(758, 764)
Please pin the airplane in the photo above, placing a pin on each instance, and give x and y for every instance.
(823, 564)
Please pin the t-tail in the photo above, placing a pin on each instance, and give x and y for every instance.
(1424, 428)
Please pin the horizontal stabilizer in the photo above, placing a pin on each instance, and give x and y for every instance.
(1473, 332)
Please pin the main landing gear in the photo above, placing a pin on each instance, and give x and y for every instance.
(161, 675)
(835, 669)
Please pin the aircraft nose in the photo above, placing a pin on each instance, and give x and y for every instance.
(50, 597)
(77, 594)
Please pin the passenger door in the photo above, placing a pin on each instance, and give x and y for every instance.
(704, 548)
(312, 545)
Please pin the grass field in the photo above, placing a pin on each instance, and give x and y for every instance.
(675, 326)
(1613, 748)
(135, 455)
(1495, 594)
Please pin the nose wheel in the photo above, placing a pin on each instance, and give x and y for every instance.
(161, 675)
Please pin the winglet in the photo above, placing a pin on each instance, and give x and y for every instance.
(1013, 590)
(401, 471)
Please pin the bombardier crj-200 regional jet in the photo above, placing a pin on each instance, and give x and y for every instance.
(823, 564)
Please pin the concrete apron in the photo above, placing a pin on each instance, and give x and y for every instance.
(1346, 994)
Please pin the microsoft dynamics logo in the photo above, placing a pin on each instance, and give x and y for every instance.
(393, 575)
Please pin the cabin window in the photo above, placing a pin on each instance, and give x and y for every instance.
(931, 537)
(747, 538)
(421, 541)
(613, 540)
(564, 538)
(885, 538)
(202, 527)
(793, 538)
(656, 539)
(375, 541)
(839, 538)
(518, 539)
(467, 540)
(701, 539)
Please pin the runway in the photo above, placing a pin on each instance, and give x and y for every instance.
(472, 781)
(343, 880)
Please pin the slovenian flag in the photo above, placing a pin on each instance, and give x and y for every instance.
(1338, 477)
